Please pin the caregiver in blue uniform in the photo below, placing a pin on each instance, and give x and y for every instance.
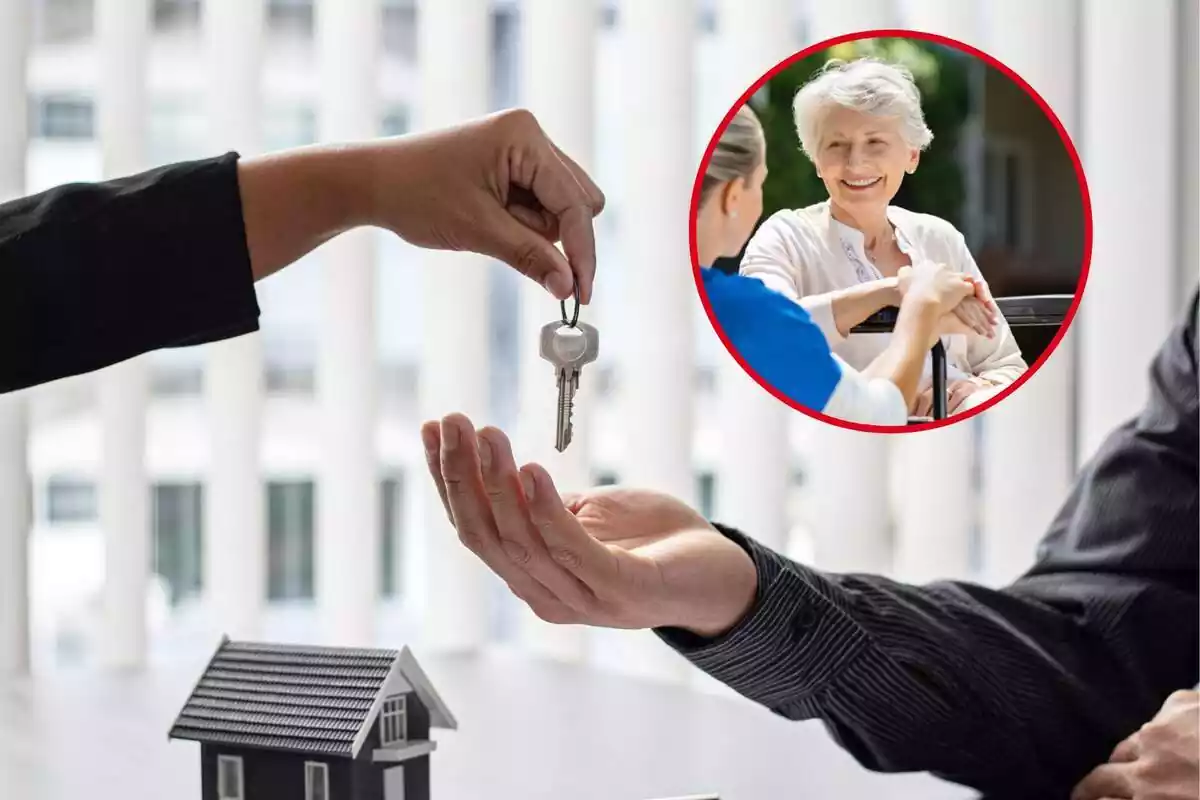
(775, 338)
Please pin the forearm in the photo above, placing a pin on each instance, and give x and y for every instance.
(94, 274)
(903, 362)
(296, 200)
(851, 306)
(1017, 692)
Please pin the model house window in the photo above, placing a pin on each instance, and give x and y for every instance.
(316, 781)
(230, 783)
(392, 723)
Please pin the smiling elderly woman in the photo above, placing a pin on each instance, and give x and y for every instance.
(862, 126)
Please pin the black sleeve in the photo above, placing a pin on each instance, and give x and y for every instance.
(93, 274)
(1018, 692)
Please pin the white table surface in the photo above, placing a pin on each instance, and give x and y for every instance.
(528, 729)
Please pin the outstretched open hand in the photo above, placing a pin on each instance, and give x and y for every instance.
(611, 557)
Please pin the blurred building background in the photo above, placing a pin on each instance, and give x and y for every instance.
(275, 486)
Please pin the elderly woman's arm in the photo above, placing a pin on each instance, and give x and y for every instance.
(773, 256)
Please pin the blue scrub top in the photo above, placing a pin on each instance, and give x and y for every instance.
(775, 337)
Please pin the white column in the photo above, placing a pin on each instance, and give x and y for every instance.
(953, 18)
(347, 551)
(656, 375)
(1027, 439)
(932, 470)
(1132, 162)
(454, 58)
(1189, 166)
(15, 33)
(755, 469)
(847, 510)
(15, 519)
(828, 19)
(558, 84)
(122, 28)
(235, 526)
(935, 503)
(848, 513)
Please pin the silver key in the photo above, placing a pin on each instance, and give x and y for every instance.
(568, 348)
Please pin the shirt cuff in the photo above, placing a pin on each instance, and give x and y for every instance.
(874, 401)
(820, 308)
(795, 638)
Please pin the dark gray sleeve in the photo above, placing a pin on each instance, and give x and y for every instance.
(93, 274)
(1018, 692)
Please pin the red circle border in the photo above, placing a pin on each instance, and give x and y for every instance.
(991, 61)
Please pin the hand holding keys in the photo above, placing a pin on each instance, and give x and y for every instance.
(568, 345)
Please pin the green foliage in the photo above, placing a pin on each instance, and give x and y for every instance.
(941, 74)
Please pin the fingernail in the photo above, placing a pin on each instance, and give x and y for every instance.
(528, 484)
(450, 435)
(429, 439)
(558, 284)
(485, 453)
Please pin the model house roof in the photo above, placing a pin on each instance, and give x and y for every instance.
(317, 700)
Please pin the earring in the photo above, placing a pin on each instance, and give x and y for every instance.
(733, 214)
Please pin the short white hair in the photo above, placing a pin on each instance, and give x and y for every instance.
(867, 85)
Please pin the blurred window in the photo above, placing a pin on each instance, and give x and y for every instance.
(62, 20)
(391, 560)
(70, 501)
(1008, 193)
(175, 15)
(290, 17)
(287, 126)
(706, 493)
(395, 121)
(177, 130)
(63, 117)
(400, 29)
(290, 540)
(178, 510)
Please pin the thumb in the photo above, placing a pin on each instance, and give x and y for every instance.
(529, 253)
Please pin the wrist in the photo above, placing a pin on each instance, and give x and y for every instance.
(918, 320)
(724, 609)
(892, 296)
(348, 176)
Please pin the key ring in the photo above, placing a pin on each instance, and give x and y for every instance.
(563, 305)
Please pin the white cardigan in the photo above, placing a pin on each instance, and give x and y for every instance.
(806, 255)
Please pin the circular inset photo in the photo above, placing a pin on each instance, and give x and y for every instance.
(891, 231)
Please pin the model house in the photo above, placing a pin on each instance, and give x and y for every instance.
(285, 722)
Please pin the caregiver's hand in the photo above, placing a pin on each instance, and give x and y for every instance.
(495, 185)
(617, 558)
(953, 292)
(1161, 761)
(934, 284)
